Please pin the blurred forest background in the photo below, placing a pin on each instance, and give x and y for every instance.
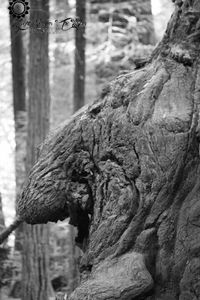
(118, 37)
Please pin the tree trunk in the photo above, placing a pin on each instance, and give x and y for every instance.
(35, 273)
(18, 56)
(79, 73)
(73, 266)
(126, 170)
(79, 101)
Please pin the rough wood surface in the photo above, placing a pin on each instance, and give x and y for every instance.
(126, 171)
(120, 278)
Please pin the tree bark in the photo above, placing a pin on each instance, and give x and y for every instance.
(79, 73)
(35, 271)
(79, 101)
(18, 69)
(73, 266)
(126, 171)
(18, 56)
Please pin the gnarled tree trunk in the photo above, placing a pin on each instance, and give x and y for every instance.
(126, 170)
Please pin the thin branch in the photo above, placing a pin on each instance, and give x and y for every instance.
(4, 234)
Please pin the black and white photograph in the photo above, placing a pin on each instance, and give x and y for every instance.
(100, 150)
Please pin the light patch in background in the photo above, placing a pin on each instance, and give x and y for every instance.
(156, 6)
(72, 3)
(162, 11)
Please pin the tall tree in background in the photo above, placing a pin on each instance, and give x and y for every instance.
(79, 74)
(74, 254)
(35, 275)
(79, 101)
(19, 103)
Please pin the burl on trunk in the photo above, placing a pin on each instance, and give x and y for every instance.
(126, 171)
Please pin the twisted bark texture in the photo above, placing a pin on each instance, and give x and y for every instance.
(126, 171)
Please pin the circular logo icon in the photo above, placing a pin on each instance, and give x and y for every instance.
(18, 8)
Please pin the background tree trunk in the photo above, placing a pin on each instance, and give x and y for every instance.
(35, 272)
(78, 102)
(73, 261)
(18, 56)
(79, 73)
